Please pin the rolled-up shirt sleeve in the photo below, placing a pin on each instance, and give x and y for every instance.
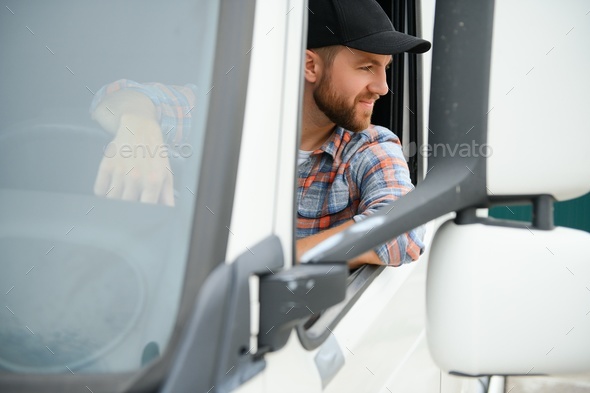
(174, 105)
(382, 176)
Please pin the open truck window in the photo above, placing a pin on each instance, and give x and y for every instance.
(401, 111)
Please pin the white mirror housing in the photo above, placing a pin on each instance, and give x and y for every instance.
(509, 301)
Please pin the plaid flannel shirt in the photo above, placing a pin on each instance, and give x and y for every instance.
(350, 177)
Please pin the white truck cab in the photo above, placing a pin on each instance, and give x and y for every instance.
(107, 295)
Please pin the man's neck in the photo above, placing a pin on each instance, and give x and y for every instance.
(316, 127)
(313, 137)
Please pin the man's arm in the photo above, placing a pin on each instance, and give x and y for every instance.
(136, 165)
(305, 244)
(380, 171)
(113, 106)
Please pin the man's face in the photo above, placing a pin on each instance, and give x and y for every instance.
(348, 89)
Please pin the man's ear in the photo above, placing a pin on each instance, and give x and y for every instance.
(313, 66)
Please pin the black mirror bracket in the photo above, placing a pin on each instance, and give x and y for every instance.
(289, 296)
(542, 214)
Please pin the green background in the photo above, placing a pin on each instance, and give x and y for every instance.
(574, 213)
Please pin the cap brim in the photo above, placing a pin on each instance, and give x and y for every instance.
(390, 43)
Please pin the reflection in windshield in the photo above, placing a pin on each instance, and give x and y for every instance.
(91, 278)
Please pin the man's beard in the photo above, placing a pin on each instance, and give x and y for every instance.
(337, 109)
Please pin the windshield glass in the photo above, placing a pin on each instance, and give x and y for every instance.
(102, 115)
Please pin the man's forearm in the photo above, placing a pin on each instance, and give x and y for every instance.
(123, 102)
(305, 244)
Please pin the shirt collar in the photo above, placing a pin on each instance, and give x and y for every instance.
(332, 144)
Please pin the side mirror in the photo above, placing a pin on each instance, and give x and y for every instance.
(509, 301)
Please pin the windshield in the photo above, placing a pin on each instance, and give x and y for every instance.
(96, 196)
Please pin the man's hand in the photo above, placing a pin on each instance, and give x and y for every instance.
(305, 244)
(135, 165)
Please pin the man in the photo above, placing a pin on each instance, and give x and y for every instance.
(347, 167)
(353, 168)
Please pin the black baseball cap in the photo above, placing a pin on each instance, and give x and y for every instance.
(358, 24)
